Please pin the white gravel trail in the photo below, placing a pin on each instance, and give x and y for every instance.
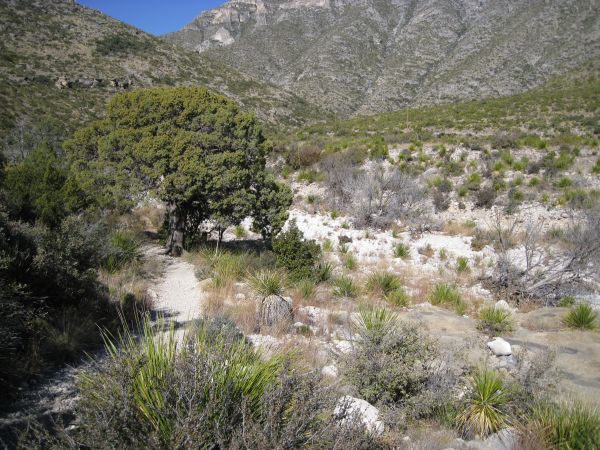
(178, 294)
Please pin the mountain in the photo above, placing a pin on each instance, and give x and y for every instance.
(366, 56)
(63, 60)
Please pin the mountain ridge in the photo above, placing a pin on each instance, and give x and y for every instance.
(369, 56)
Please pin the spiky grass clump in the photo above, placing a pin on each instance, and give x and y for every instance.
(344, 286)
(323, 272)
(374, 324)
(565, 427)
(146, 377)
(401, 250)
(398, 297)
(227, 267)
(582, 317)
(267, 282)
(383, 283)
(495, 320)
(486, 410)
(124, 249)
(350, 262)
(462, 265)
(445, 294)
(307, 289)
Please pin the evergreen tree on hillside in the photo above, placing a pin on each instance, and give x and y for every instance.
(192, 148)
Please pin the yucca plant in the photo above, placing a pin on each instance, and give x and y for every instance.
(344, 286)
(373, 324)
(151, 360)
(462, 265)
(323, 272)
(582, 317)
(565, 426)
(401, 250)
(267, 282)
(495, 320)
(210, 366)
(486, 410)
(383, 283)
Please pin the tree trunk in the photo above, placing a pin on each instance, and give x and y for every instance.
(176, 229)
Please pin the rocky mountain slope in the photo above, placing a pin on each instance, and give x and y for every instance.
(63, 60)
(365, 56)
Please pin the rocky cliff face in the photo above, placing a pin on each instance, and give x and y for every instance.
(363, 56)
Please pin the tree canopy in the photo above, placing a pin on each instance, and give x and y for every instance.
(187, 146)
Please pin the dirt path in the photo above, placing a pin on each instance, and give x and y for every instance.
(177, 295)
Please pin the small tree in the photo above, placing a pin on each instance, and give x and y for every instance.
(192, 148)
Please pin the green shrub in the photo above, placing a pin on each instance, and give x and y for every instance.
(565, 427)
(383, 283)
(391, 363)
(401, 250)
(564, 182)
(581, 316)
(596, 168)
(121, 44)
(296, 254)
(267, 282)
(344, 286)
(494, 320)
(486, 411)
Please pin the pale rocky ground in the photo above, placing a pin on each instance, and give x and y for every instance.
(538, 331)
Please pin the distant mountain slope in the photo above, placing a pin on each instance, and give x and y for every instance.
(365, 56)
(63, 60)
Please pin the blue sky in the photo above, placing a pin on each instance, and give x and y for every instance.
(154, 16)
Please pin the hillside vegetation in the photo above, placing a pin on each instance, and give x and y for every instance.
(563, 111)
(63, 61)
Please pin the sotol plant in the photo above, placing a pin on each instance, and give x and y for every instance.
(267, 282)
(581, 316)
(495, 320)
(485, 412)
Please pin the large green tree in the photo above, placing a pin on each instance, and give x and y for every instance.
(192, 148)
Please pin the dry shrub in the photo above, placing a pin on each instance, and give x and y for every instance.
(214, 302)
(243, 313)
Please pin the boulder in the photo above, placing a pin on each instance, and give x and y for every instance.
(500, 347)
(275, 310)
(350, 409)
(502, 304)
(330, 371)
